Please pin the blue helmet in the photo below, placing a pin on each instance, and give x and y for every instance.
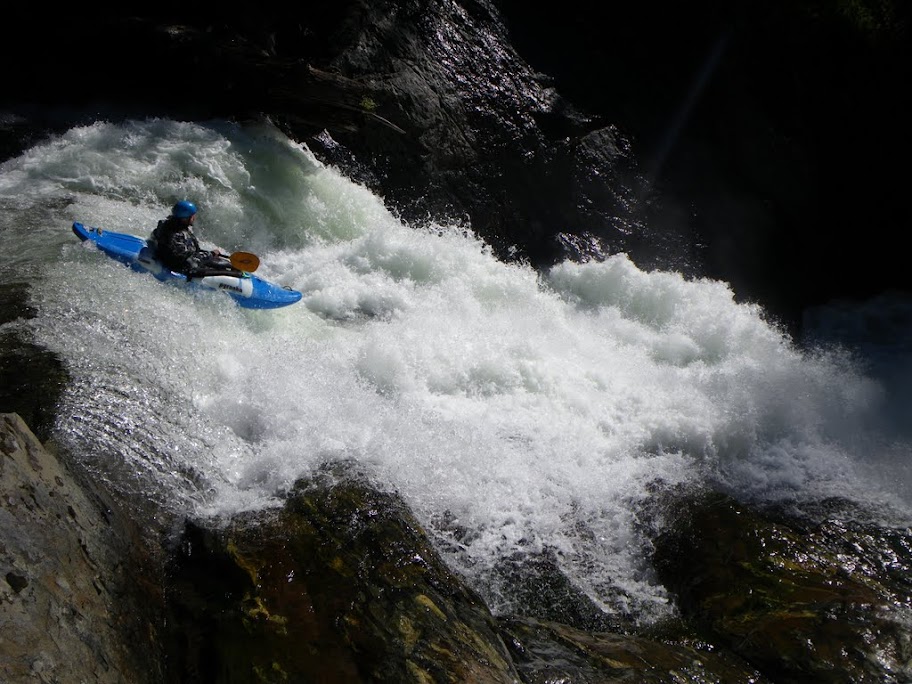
(183, 209)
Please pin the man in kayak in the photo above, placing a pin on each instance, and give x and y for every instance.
(175, 245)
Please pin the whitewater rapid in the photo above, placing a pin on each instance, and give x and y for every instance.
(532, 412)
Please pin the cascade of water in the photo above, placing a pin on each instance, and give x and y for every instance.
(516, 412)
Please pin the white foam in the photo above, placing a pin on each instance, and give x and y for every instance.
(530, 411)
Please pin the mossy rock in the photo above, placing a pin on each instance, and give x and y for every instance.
(339, 585)
(802, 604)
(546, 652)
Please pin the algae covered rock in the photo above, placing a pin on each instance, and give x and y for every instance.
(339, 585)
(802, 603)
(547, 652)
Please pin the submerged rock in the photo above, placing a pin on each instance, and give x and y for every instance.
(31, 378)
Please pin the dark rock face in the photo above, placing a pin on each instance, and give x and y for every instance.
(80, 592)
(341, 585)
(770, 127)
(802, 603)
(31, 378)
(750, 143)
(486, 138)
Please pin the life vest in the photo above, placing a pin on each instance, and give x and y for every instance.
(175, 245)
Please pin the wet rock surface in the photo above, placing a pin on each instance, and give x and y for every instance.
(547, 652)
(800, 601)
(340, 585)
(80, 599)
(31, 378)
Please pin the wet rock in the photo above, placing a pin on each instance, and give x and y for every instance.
(547, 652)
(80, 600)
(808, 603)
(14, 303)
(537, 583)
(339, 585)
(31, 378)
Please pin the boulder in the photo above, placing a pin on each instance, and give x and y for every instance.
(802, 602)
(80, 597)
(340, 584)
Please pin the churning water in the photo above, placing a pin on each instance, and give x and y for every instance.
(529, 411)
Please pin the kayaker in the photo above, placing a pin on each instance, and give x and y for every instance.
(177, 248)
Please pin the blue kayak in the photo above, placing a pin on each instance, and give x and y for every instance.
(246, 289)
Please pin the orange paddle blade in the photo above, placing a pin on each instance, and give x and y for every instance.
(245, 261)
